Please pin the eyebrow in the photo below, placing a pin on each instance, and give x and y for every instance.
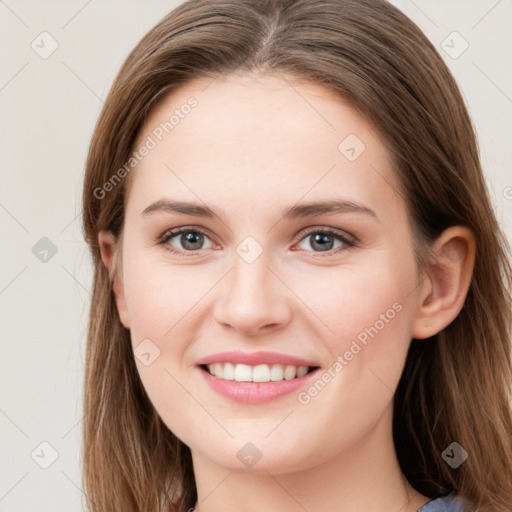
(296, 211)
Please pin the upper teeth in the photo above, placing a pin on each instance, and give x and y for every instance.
(259, 373)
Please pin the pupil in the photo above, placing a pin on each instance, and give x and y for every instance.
(321, 239)
(191, 238)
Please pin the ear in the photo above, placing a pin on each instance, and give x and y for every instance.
(107, 244)
(445, 288)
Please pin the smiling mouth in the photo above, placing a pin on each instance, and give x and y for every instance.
(257, 373)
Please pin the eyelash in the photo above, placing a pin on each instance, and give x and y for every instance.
(168, 235)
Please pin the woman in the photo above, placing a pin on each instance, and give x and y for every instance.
(301, 294)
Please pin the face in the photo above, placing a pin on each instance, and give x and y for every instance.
(335, 288)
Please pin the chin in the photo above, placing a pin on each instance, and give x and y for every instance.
(257, 457)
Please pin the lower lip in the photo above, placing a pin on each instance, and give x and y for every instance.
(254, 392)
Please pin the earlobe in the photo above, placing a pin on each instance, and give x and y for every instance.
(447, 283)
(107, 245)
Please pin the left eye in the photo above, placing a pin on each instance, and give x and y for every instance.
(191, 240)
(324, 241)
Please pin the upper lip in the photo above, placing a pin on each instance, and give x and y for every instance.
(254, 358)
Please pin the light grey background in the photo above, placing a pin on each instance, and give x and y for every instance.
(48, 110)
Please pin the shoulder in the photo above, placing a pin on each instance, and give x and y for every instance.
(450, 503)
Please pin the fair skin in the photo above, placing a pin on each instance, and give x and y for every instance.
(253, 146)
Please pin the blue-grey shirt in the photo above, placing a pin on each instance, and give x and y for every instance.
(450, 503)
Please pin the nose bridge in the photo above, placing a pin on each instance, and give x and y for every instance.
(252, 297)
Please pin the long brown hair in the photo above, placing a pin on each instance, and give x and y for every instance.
(456, 385)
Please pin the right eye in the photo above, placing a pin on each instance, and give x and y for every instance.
(191, 240)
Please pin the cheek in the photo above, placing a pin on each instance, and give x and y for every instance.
(161, 298)
(369, 314)
(360, 303)
(366, 316)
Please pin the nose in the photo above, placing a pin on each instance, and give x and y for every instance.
(253, 300)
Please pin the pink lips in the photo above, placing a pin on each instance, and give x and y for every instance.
(254, 392)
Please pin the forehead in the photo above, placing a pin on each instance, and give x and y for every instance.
(259, 139)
